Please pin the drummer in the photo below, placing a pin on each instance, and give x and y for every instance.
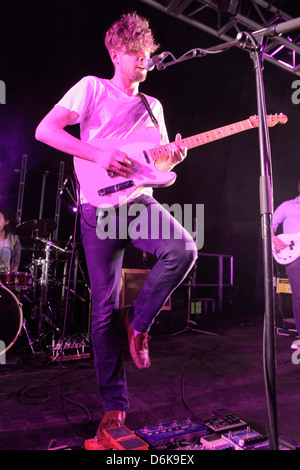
(10, 246)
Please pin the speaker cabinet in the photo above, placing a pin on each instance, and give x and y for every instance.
(284, 317)
(132, 281)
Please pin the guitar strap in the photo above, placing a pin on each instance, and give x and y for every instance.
(145, 101)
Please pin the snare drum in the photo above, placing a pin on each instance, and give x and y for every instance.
(11, 318)
(16, 281)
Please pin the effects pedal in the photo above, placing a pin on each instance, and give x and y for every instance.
(123, 439)
(222, 420)
(215, 442)
(162, 434)
(120, 438)
(246, 439)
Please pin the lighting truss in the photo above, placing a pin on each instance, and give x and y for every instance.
(251, 15)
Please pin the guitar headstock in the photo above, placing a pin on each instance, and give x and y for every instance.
(272, 120)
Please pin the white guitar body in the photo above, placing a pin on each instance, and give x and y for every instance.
(104, 190)
(291, 252)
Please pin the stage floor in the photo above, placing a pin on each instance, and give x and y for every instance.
(192, 374)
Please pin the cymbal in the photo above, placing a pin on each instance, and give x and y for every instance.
(36, 228)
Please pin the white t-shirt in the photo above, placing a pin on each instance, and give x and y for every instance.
(106, 112)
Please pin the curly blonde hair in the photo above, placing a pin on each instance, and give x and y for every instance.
(132, 32)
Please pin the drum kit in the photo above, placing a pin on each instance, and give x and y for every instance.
(32, 286)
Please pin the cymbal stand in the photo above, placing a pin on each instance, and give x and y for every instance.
(44, 285)
(44, 282)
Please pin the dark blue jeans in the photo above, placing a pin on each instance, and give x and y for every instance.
(153, 230)
(293, 272)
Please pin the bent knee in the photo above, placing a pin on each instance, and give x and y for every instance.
(183, 254)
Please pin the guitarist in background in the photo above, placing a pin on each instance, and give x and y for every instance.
(113, 109)
(288, 214)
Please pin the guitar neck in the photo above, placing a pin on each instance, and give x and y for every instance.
(203, 138)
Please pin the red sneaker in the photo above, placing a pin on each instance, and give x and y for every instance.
(111, 419)
(138, 345)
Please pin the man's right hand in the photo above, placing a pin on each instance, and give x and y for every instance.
(115, 161)
(279, 244)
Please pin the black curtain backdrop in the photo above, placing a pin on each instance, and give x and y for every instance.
(49, 46)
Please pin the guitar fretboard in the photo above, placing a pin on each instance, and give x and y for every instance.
(203, 138)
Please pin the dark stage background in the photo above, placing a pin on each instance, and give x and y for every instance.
(48, 46)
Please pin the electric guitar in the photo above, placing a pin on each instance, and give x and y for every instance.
(292, 250)
(105, 189)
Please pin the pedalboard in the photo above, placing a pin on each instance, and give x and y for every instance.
(221, 431)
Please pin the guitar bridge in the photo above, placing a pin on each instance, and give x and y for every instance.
(115, 188)
(291, 245)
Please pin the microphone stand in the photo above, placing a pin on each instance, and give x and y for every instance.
(266, 214)
(256, 48)
(254, 44)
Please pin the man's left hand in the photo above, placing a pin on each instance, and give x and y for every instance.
(178, 151)
(177, 154)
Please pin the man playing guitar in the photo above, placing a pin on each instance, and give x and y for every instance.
(112, 110)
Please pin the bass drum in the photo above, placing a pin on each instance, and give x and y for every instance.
(11, 319)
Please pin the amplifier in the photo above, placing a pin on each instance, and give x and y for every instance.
(284, 316)
(132, 281)
(283, 286)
